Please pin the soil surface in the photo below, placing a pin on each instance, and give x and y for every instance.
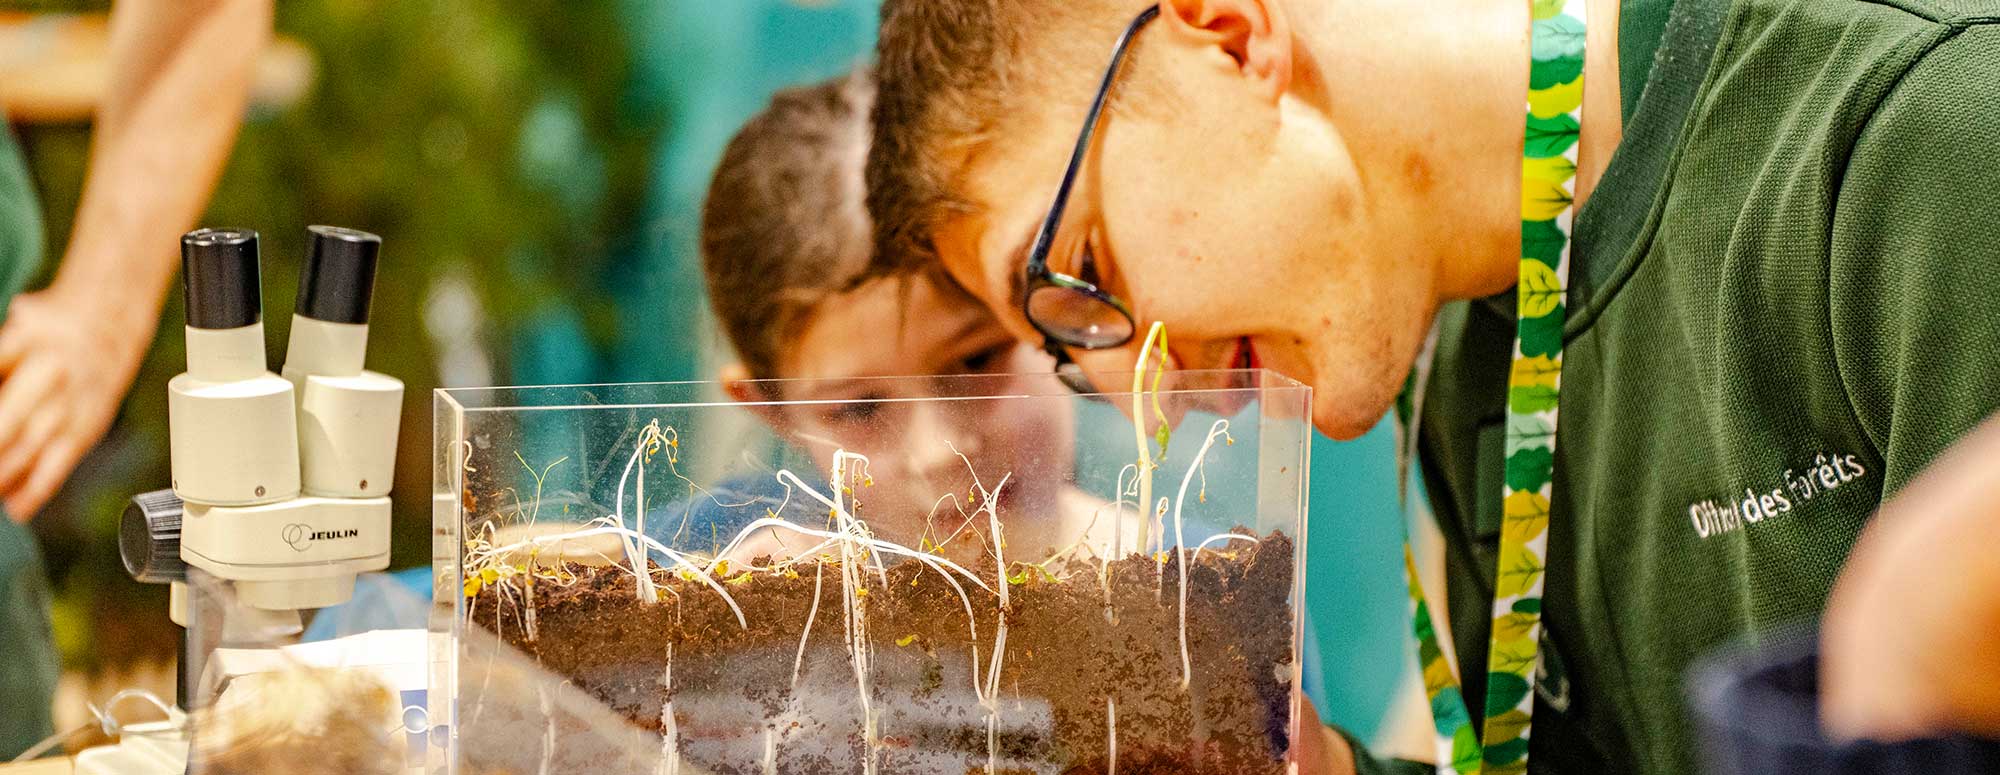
(743, 700)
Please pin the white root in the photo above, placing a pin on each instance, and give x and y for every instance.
(964, 520)
(850, 529)
(528, 591)
(1116, 548)
(609, 526)
(635, 550)
(851, 581)
(799, 662)
(990, 503)
(853, 586)
(858, 551)
(992, 699)
(1223, 537)
(1158, 525)
(670, 730)
(1111, 740)
(548, 731)
(1219, 430)
(943, 566)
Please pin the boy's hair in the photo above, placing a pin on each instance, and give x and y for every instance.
(950, 72)
(784, 226)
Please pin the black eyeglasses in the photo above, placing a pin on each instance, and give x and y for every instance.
(1071, 311)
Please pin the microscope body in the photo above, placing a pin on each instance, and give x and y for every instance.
(285, 480)
(282, 482)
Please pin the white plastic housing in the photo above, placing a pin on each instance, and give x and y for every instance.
(348, 417)
(152, 748)
(323, 348)
(347, 434)
(232, 426)
(226, 354)
(302, 553)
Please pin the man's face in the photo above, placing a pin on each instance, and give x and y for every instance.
(1236, 218)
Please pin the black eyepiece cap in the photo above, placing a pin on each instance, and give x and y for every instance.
(338, 279)
(220, 274)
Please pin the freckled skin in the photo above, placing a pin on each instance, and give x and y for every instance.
(1417, 171)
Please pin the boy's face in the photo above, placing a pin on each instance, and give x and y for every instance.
(890, 327)
(1235, 216)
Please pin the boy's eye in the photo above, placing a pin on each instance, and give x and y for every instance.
(985, 359)
(853, 412)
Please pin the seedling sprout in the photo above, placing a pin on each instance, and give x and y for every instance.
(508, 564)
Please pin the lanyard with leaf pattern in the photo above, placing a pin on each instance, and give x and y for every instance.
(1548, 168)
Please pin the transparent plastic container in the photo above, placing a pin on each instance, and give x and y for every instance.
(909, 575)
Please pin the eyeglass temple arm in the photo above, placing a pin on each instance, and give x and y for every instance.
(1038, 255)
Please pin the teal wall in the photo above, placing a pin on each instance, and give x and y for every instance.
(1356, 598)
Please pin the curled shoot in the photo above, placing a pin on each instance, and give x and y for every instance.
(1219, 430)
(649, 440)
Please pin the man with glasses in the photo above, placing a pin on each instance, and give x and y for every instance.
(1775, 304)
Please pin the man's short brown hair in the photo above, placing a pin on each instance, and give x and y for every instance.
(949, 72)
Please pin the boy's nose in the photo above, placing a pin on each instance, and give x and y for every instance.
(936, 440)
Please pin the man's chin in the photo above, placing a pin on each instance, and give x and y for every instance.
(1343, 419)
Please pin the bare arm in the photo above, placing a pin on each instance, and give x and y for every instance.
(180, 80)
(1911, 642)
(181, 71)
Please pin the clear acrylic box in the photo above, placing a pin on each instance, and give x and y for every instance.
(907, 575)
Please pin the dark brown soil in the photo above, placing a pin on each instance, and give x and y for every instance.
(733, 691)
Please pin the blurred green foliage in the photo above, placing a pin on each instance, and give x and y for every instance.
(486, 140)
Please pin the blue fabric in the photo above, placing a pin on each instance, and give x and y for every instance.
(1759, 714)
(725, 510)
(376, 606)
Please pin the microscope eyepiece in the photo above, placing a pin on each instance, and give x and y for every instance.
(220, 274)
(338, 278)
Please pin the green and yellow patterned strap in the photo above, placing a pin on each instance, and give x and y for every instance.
(1548, 169)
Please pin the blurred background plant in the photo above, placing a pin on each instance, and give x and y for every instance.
(536, 168)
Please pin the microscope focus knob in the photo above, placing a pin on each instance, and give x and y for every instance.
(149, 538)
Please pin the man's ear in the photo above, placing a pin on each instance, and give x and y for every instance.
(1253, 33)
(742, 389)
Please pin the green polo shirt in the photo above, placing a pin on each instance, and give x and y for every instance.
(28, 662)
(1785, 302)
